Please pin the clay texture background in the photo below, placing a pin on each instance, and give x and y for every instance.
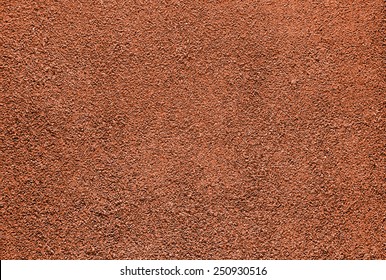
(192, 129)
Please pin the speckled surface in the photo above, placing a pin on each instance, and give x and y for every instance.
(192, 130)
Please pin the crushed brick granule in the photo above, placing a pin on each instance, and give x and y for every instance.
(192, 129)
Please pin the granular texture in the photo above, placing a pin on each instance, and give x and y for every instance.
(192, 129)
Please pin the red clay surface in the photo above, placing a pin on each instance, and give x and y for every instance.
(192, 130)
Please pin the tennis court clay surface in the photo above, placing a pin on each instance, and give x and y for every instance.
(192, 129)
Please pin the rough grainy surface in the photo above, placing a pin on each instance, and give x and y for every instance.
(192, 129)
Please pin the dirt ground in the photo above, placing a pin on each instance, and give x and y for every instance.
(192, 129)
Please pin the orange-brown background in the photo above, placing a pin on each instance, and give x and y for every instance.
(192, 129)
